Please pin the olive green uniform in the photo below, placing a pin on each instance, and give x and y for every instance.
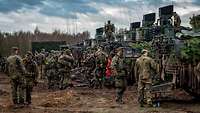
(40, 59)
(120, 78)
(51, 70)
(144, 68)
(16, 72)
(30, 78)
(65, 65)
(100, 67)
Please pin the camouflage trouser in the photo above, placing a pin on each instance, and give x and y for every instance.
(51, 77)
(64, 80)
(120, 84)
(28, 89)
(41, 69)
(144, 93)
(28, 92)
(17, 87)
(100, 73)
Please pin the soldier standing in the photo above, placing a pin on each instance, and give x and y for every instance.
(65, 63)
(109, 30)
(143, 70)
(177, 21)
(118, 71)
(16, 71)
(31, 76)
(100, 66)
(40, 59)
(51, 70)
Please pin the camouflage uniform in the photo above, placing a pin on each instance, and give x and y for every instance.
(100, 67)
(65, 64)
(51, 70)
(118, 71)
(109, 30)
(40, 59)
(16, 72)
(177, 21)
(143, 70)
(31, 76)
(90, 64)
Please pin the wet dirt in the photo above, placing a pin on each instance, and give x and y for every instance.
(85, 100)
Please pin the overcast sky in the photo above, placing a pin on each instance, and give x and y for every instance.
(80, 15)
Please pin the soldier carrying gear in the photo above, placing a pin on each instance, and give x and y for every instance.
(177, 21)
(143, 70)
(109, 30)
(65, 63)
(51, 70)
(118, 71)
(100, 66)
(30, 76)
(16, 71)
(40, 59)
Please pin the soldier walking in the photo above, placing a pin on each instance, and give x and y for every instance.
(30, 76)
(118, 71)
(143, 70)
(16, 71)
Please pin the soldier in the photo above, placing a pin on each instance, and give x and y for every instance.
(90, 64)
(109, 30)
(40, 59)
(31, 76)
(118, 71)
(16, 71)
(177, 21)
(51, 70)
(100, 66)
(143, 70)
(2, 64)
(65, 63)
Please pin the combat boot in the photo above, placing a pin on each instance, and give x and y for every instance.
(119, 100)
(15, 101)
(141, 104)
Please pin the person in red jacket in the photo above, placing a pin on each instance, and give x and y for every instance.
(108, 69)
(109, 78)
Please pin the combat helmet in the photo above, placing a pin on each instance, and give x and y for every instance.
(67, 51)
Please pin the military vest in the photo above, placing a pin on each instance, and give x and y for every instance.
(15, 67)
(31, 68)
(118, 64)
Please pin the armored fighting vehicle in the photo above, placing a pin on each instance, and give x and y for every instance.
(178, 55)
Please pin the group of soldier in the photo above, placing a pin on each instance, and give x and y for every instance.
(144, 68)
(25, 72)
(23, 76)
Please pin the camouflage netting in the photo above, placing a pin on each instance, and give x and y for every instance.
(145, 45)
(190, 53)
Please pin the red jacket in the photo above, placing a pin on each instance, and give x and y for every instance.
(108, 68)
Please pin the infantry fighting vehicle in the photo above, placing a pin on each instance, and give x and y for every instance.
(168, 50)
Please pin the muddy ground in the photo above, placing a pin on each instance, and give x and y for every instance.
(85, 100)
